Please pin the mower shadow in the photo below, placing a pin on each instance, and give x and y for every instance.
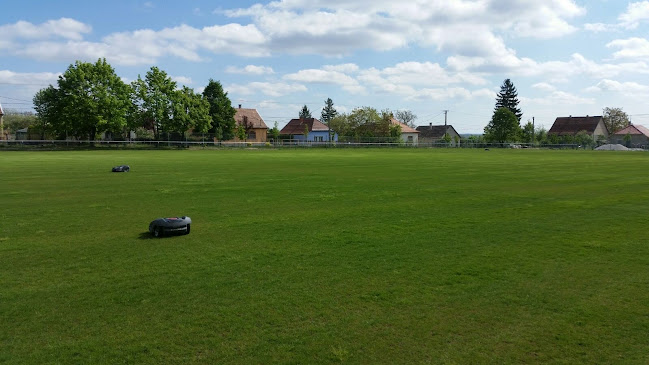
(145, 236)
(149, 236)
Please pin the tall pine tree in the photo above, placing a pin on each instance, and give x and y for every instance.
(305, 113)
(508, 98)
(328, 112)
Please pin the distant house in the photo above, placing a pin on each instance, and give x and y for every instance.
(570, 126)
(435, 133)
(22, 134)
(257, 129)
(408, 134)
(639, 136)
(316, 130)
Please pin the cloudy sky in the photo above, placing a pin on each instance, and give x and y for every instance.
(566, 57)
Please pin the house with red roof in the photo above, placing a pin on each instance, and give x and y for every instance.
(408, 134)
(257, 130)
(308, 129)
(570, 126)
(637, 136)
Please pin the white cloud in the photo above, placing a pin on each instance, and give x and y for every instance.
(635, 13)
(147, 46)
(62, 28)
(600, 27)
(341, 27)
(347, 82)
(344, 68)
(275, 89)
(427, 73)
(630, 48)
(557, 98)
(440, 94)
(329, 28)
(41, 79)
(627, 88)
(250, 70)
(544, 86)
(182, 80)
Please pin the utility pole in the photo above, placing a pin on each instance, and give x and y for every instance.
(445, 127)
(533, 127)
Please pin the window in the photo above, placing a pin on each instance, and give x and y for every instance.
(252, 135)
(410, 139)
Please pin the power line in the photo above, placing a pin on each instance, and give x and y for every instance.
(6, 97)
(21, 84)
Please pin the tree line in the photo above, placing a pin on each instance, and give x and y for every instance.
(505, 126)
(90, 99)
(363, 123)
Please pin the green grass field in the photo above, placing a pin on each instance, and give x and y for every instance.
(325, 256)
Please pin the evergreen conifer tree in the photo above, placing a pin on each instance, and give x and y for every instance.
(508, 98)
(305, 113)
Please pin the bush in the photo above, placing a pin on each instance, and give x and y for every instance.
(143, 134)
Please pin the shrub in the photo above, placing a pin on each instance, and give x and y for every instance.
(144, 134)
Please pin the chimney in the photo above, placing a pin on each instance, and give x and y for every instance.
(430, 125)
(239, 106)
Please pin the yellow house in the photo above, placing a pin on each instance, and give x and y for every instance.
(251, 120)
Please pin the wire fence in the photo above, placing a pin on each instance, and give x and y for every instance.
(99, 144)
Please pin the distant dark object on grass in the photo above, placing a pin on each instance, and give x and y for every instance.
(486, 149)
(122, 168)
(173, 225)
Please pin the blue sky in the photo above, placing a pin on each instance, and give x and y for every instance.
(566, 57)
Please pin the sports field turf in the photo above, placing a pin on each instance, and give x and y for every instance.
(325, 256)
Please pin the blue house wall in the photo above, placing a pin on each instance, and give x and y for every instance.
(315, 135)
(312, 136)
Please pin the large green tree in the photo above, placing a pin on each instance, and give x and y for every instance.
(47, 103)
(154, 98)
(191, 110)
(305, 113)
(90, 99)
(615, 119)
(503, 127)
(508, 98)
(221, 111)
(406, 117)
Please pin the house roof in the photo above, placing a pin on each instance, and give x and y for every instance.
(634, 129)
(573, 125)
(404, 127)
(252, 116)
(434, 131)
(296, 126)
